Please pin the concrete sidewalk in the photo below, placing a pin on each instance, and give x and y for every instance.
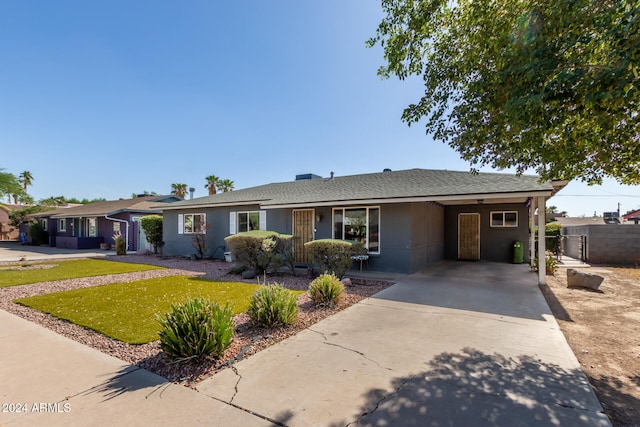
(49, 380)
(463, 344)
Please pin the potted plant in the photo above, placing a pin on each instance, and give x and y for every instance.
(551, 265)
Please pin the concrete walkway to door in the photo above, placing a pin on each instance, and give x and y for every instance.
(459, 344)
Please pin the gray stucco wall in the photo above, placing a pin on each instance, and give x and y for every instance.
(496, 244)
(411, 234)
(218, 219)
(606, 243)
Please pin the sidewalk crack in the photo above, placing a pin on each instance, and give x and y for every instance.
(379, 402)
(236, 386)
(361, 354)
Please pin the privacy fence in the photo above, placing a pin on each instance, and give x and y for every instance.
(603, 244)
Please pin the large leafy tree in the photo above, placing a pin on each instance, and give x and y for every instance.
(530, 84)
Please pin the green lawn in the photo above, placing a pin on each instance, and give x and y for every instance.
(127, 311)
(69, 270)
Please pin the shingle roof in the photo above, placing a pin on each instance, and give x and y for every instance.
(404, 184)
(149, 204)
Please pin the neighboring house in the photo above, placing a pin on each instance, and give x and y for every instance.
(407, 219)
(7, 231)
(632, 217)
(87, 226)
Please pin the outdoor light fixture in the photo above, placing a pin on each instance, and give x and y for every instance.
(318, 217)
(480, 201)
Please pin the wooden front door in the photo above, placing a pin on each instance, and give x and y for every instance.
(303, 224)
(469, 236)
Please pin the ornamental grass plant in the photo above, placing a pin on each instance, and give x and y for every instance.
(326, 289)
(196, 329)
(273, 305)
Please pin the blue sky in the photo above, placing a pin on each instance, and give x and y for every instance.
(106, 99)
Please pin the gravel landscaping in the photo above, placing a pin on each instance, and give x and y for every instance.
(248, 340)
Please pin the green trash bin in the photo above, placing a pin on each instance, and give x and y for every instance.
(518, 253)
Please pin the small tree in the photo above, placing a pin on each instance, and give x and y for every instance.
(21, 216)
(152, 226)
(200, 240)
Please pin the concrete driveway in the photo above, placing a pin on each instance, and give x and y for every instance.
(14, 252)
(461, 344)
(458, 345)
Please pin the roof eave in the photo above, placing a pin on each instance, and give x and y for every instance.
(485, 197)
(213, 205)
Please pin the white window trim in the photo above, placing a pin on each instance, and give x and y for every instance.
(233, 220)
(45, 224)
(504, 225)
(181, 223)
(333, 229)
(62, 225)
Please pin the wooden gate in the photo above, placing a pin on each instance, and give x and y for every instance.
(303, 224)
(469, 236)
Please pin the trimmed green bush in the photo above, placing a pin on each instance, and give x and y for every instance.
(260, 250)
(195, 329)
(152, 226)
(273, 305)
(326, 289)
(39, 236)
(334, 255)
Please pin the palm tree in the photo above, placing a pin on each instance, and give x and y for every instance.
(26, 179)
(179, 190)
(212, 183)
(225, 185)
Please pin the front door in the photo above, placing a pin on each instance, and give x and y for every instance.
(303, 224)
(469, 236)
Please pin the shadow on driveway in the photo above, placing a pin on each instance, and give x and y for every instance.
(479, 389)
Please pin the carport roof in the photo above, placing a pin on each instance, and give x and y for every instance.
(441, 186)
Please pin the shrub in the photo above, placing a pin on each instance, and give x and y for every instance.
(273, 305)
(553, 236)
(553, 232)
(121, 244)
(326, 289)
(196, 329)
(262, 251)
(152, 226)
(39, 236)
(334, 255)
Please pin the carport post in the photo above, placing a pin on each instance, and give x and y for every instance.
(542, 270)
(532, 232)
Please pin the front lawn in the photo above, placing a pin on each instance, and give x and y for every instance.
(22, 274)
(127, 311)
